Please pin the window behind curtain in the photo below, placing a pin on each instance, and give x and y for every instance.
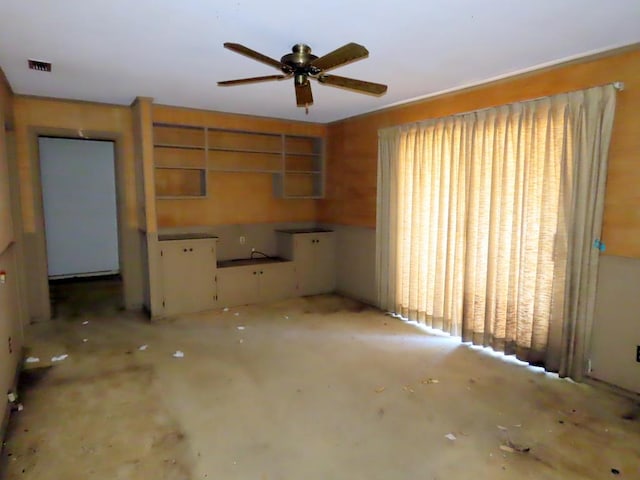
(481, 241)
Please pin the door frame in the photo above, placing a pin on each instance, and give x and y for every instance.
(36, 251)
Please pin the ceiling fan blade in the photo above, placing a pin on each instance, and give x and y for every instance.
(240, 81)
(304, 97)
(242, 50)
(353, 84)
(340, 56)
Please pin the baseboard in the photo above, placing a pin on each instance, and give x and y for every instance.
(357, 298)
(635, 396)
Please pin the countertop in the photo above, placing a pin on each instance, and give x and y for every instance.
(184, 236)
(304, 230)
(241, 262)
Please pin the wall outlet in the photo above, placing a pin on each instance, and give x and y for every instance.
(243, 239)
(638, 353)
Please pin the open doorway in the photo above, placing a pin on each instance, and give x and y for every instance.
(80, 212)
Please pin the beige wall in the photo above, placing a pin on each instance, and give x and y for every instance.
(616, 332)
(11, 312)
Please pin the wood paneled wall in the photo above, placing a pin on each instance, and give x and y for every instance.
(235, 197)
(352, 145)
(43, 114)
(6, 120)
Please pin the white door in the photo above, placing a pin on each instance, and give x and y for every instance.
(79, 201)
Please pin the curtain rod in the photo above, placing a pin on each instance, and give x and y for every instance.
(618, 85)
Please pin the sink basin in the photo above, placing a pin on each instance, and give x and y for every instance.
(240, 262)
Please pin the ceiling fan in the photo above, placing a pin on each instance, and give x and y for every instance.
(302, 65)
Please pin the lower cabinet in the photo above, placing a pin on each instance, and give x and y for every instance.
(314, 256)
(188, 272)
(190, 280)
(255, 283)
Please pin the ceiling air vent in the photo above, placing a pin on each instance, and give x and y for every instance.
(40, 66)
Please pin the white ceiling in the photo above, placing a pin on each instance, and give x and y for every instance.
(112, 51)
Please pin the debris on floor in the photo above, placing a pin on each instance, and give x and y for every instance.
(59, 358)
(85, 340)
(508, 445)
(225, 309)
(240, 327)
(142, 348)
(511, 447)
(407, 388)
(380, 389)
(12, 397)
(86, 322)
(450, 436)
(237, 314)
(32, 360)
(615, 471)
(429, 381)
(241, 341)
(178, 354)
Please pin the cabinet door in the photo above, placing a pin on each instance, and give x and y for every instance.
(277, 281)
(304, 245)
(201, 284)
(188, 276)
(237, 286)
(174, 276)
(324, 280)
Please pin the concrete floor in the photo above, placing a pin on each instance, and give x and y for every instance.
(311, 388)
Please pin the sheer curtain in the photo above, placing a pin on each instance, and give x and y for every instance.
(486, 222)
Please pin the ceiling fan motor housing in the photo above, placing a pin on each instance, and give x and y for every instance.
(299, 63)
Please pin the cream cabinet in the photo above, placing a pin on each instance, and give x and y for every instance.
(188, 273)
(261, 282)
(313, 255)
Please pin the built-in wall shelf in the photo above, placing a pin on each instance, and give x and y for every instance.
(185, 156)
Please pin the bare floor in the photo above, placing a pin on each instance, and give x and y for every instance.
(312, 388)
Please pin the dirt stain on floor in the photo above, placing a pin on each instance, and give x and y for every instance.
(120, 428)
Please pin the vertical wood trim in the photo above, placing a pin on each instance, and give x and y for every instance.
(143, 137)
